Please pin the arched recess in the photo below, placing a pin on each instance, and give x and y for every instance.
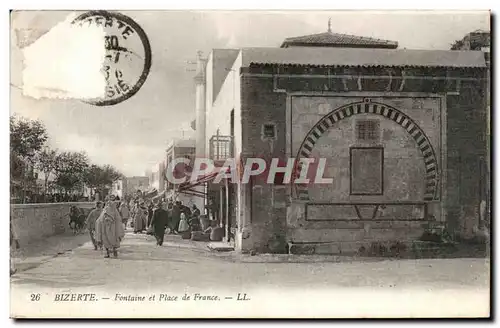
(389, 112)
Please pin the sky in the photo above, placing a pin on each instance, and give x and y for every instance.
(132, 135)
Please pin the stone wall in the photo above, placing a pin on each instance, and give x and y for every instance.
(457, 133)
(466, 156)
(37, 221)
(260, 105)
(403, 164)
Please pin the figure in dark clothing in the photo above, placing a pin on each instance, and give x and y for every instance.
(196, 211)
(213, 210)
(176, 217)
(150, 214)
(186, 210)
(169, 213)
(158, 222)
(194, 220)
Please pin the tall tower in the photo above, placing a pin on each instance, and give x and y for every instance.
(200, 106)
(201, 152)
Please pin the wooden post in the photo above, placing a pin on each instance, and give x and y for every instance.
(221, 213)
(217, 146)
(228, 227)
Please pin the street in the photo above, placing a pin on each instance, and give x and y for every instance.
(334, 287)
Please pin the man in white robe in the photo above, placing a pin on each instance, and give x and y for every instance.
(109, 228)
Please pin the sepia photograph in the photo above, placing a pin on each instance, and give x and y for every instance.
(182, 164)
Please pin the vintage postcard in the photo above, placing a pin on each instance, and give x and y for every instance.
(250, 164)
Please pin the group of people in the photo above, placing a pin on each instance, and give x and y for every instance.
(158, 215)
(107, 222)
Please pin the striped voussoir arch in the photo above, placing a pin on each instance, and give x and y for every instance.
(329, 120)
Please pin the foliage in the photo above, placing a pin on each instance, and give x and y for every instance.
(70, 169)
(46, 162)
(97, 177)
(27, 137)
(91, 176)
(457, 45)
(17, 167)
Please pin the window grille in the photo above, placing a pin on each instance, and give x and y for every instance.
(368, 130)
(221, 147)
(269, 131)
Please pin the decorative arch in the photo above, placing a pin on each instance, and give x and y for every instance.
(389, 112)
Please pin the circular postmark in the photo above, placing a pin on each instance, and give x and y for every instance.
(128, 55)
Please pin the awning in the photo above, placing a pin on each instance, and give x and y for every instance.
(188, 187)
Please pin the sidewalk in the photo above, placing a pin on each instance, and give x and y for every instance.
(431, 251)
(37, 252)
(34, 254)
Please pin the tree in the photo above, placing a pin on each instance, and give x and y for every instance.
(111, 174)
(70, 169)
(98, 177)
(91, 176)
(17, 167)
(47, 163)
(27, 138)
(457, 45)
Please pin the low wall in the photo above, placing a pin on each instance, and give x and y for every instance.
(37, 221)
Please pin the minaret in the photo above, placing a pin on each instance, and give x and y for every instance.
(201, 137)
(200, 107)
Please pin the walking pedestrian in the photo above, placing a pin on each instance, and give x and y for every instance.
(159, 222)
(109, 228)
(150, 214)
(125, 213)
(176, 217)
(91, 222)
(140, 217)
(194, 221)
(169, 217)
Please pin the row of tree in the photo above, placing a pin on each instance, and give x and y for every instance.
(66, 171)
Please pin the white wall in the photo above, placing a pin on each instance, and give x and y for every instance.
(209, 96)
(219, 113)
(219, 117)
(135, 183)
(117, 188)
(157, 181)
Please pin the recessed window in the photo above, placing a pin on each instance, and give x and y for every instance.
(269, 131)
(367, 171)
(368, 130)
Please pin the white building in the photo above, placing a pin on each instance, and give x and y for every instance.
(129, 185)
(117, 188)
(178, 148)
(157, 177)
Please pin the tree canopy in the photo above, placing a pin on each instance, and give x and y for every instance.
(69, 169)
(97, 177)
(27, 137)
